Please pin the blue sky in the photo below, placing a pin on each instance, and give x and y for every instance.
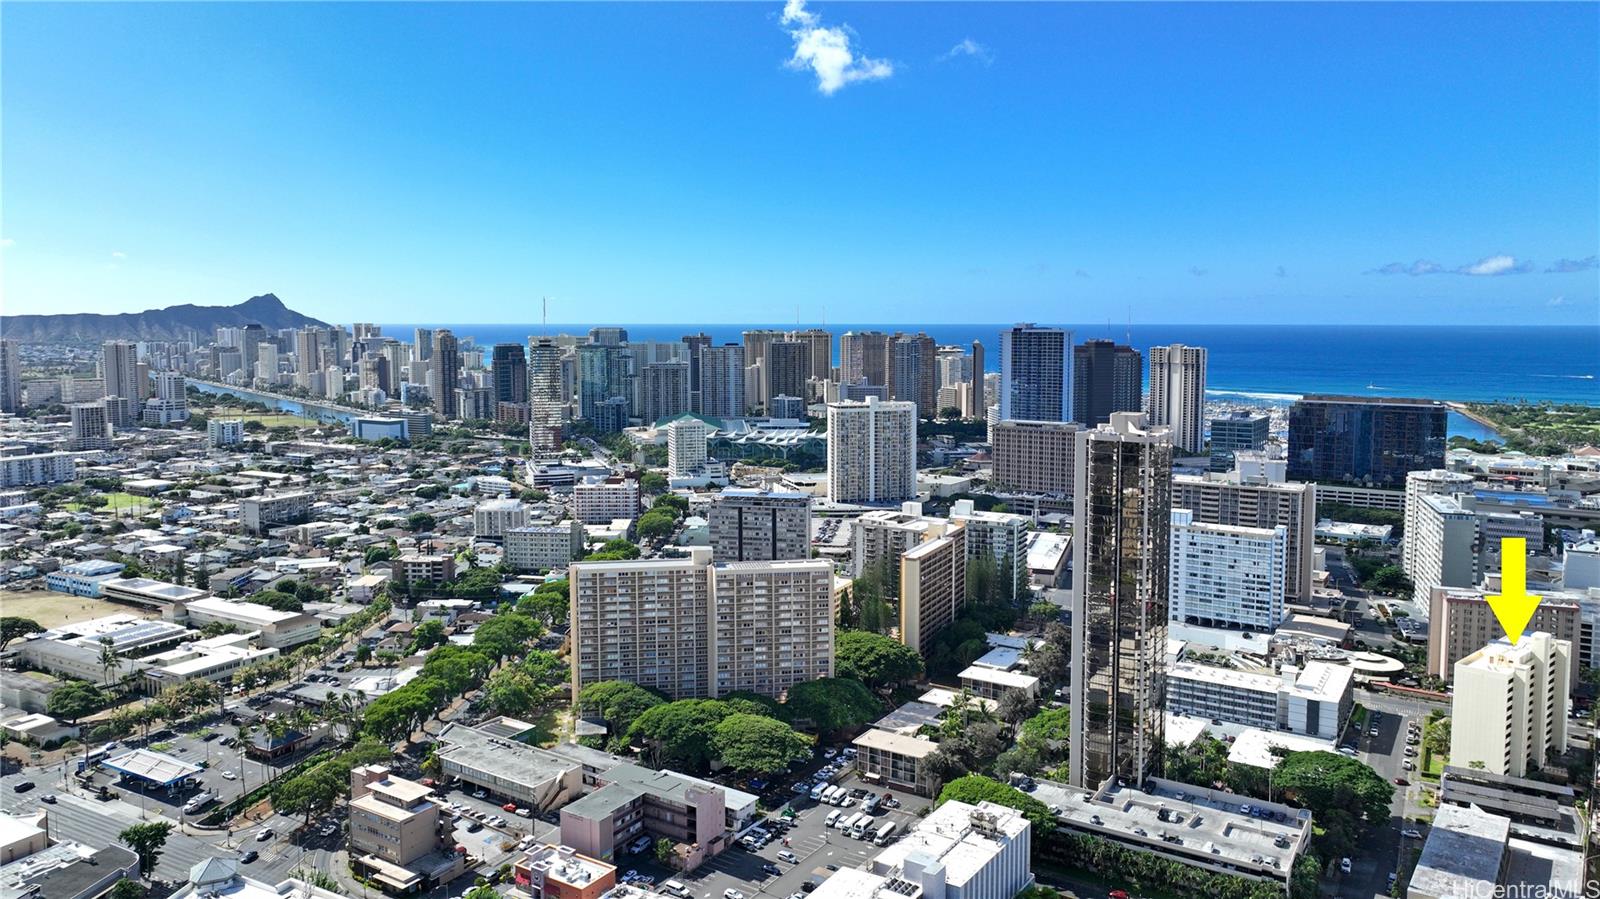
(862, 162)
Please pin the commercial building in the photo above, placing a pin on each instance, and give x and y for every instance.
(631, 802)
(1453, 540)
(37, 469)
(604, 500)
(1106, 378)
(872, 452)
(760, 525)
(913, 372)
(1121, 547)
(785, 369)
(1313, 702)
(547, 399)
(1365, 440)
(211, 659)
(153, 594)
(959, 851)
(120, 367)
(537, 547)
(1471, 852)
(83, 578)
(1035, 373)
(376, 427)
(1225, 576)
(33, 865)
(1235, 431)
(277, 630)
(398, 834)
(561, 872)
(527, 775)
(1257, 496)
(509, 369)
(492, 519)
(933, 585)
(686, 446)
(444, 374)
(1517, 699)
(691, 628)
(864, 358)
(1178, 394)
(259, 513)
(10, 377)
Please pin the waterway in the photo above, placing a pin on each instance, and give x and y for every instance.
(291, 405)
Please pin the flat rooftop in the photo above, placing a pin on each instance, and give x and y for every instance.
(888, 741)
(1463, 855)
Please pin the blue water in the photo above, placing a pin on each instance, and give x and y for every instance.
(1267, 362)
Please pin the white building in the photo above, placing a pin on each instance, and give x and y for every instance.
(537, 547)
(492, 519)
(380, 428)
(686, 446)
(225, 431)
(1002, 536)
(872, 451)
(773, 625)
(1433, 482)
(36, 469)
(1226, 576)
(1511, 705)
(959, 851)
(1314, 702)
(1178, 394)
(1582, 569)
(603, 501)
(278, 630)
(258, 513)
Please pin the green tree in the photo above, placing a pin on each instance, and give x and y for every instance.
(75, 699)
(1343, 794)
(1051, 724)
(832, 704)
(126, 889)
(755, 744)
(876, 660)
(616, 550)
(679, 734)
(13, 627)
(975, 788)
(418, 522)
(664, 853)
(146, 841)
(657, 524)
(617, 703)
(653, 482)
(427, 635)
(505, 635)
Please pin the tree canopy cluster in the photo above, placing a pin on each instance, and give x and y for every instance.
(878, 661)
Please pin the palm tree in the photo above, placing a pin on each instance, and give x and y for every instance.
(108, 658)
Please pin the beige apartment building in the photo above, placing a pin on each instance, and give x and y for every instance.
(693, 628)
(397, 835)
(1460, 622)
(1033, 457)
(872, 451)
(633, 804)
(1257, 496)
(1511, 705)
(933, 585)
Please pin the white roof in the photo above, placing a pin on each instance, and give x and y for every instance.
(1254, 746)
(1012, 679)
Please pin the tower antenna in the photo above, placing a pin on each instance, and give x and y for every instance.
(544, 314)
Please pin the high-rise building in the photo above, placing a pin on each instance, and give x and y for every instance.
(422, 349)
(1366, 440)
(509, 365)
(690, 628)
(1106, 378)
(120, 359)
(249, 341)
(864, 358)
(977, 396)
(785, 371)
(546, 398)
(722, 381)
(608, 336)
(694, 343)
(307, 351)
(1431, 482)
(1235, 431)
(663, 391)
(1035, 373)
(472, 403)
(1461, 622)
(1451, 542)
(872, 452)
(914, 372)
(955, 366)
(1225, 576)
(373, 371)
(602, 375)
(91, 429)
(760, 526)
(1001, 537)
(1033, 457)
(444, 374)
(1258, 497)
(171, 402)
(686, 446)
(10, 377)
(1511, 705)
(819, 345)
(1178, 394)
(225, 431)
(933, 585)
(1123, 516)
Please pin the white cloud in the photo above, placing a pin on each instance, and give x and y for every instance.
(1496, 265)
(969, 47)
(826, 52)
(1557, 301)
(1488, 266)
(118, 255)
(1567, 266)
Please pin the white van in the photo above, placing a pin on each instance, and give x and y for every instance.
(833, 817)
(817, 791)
(674, 888)
(832, 794)
(884, 835)
(859, 829)
(849, 824)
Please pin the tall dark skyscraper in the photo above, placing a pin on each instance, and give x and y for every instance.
(509, 367)
(695, 343)
(602, 376)
(786, 370)
(1106, 378)
(1035, 374)
(444, 374)
(1367, 440)
(722, 381)
(864, 358)
(914, 372)
(1122, 503)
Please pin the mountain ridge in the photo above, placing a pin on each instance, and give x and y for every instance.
(178, 322)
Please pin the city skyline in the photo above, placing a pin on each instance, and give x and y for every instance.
(1140, 163)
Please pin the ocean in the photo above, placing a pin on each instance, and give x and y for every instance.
(1265, 364)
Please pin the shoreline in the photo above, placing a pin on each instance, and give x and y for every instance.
(1461, 409)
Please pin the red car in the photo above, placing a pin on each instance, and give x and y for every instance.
(510, 807)
(1117, 894)
(1401, 782)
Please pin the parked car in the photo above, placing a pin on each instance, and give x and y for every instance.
(1344, 865)
(731, 893)
(1411, 833)
(790, 857)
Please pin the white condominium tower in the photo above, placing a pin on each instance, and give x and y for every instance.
(694, 629)
(547, 400)
(1511, 705)
(1227, 576)
(120, 359)
(1035, 373)
(872, 451)
(1178, 394)
(686, 446)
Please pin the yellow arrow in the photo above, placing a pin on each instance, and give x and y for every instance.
(1513, 606)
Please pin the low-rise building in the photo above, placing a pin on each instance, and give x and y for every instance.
(143, 591)
(896, 760)
(423, 568)
(397, 835)
(537, 547)
(493, 518)
(257, 514)
(959, 851)
(1471, 852)
(1315, 701)
(83, 578)
(604, 500)
(275, 629)
(37, 469)
(34, 865)
(561, 872)
(631, 802)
